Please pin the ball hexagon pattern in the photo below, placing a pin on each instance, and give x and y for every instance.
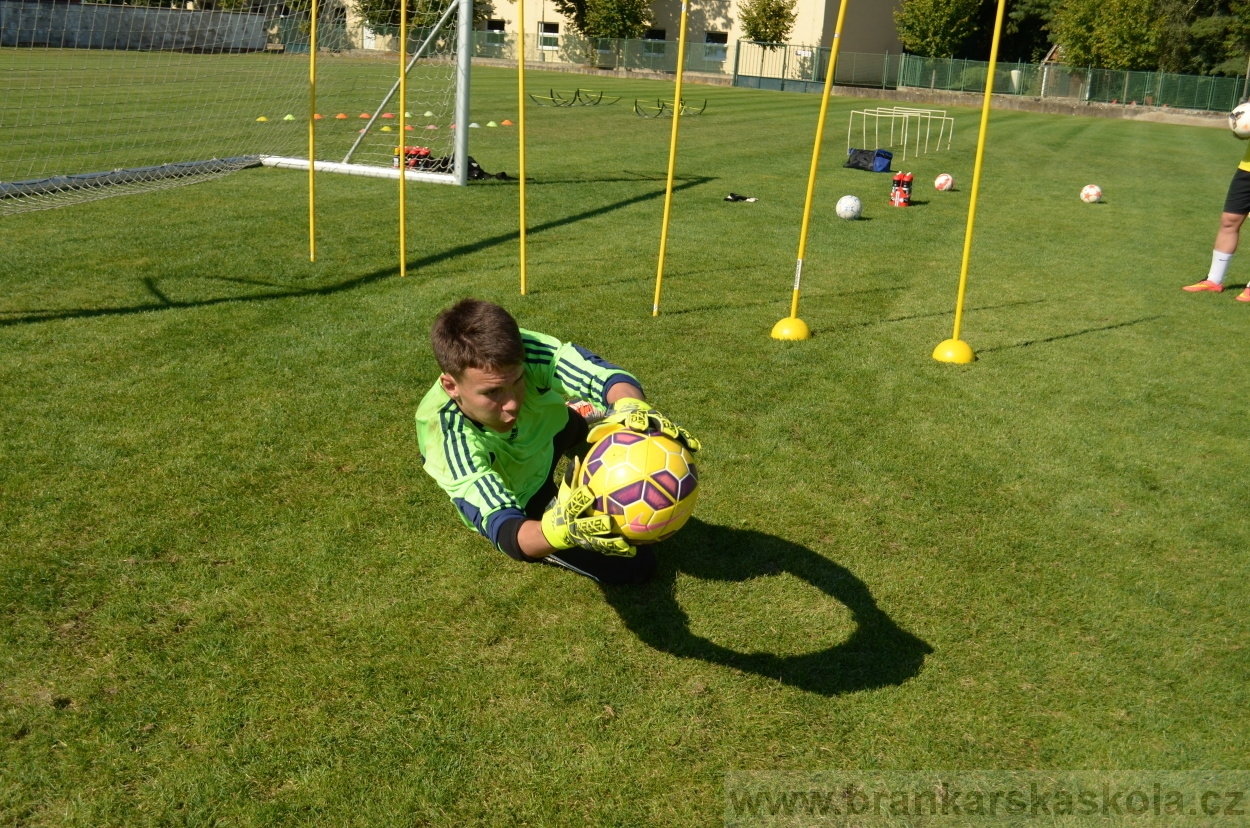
(647, 484)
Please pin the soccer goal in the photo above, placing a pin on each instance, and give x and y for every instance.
(907, 126)
(99, 100)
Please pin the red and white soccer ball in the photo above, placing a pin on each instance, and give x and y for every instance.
(1239, 121)
(1091, 194)
(944, 183)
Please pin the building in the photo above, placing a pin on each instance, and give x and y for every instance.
(714, 25)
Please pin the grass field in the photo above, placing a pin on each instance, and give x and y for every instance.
(229, 595)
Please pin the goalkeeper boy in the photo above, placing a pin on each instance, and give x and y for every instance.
(493, 427)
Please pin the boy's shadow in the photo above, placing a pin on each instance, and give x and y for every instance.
(877, 654)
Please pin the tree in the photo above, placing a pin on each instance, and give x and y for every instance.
(380, 14)
(1026, 31)
(607, 18)
(767, 21)
(1111, 34)
(936, 28)
(618, 18)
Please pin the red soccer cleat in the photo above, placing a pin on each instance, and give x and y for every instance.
(1244, 296)
(1204, 285)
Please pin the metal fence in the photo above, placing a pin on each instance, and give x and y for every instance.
(802, 69)
(1080, 83)
(793, 67)
(605, 52)
(540, 47)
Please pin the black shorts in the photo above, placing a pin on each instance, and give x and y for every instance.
(1238, 200)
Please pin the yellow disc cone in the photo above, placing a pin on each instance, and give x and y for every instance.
(791, 328)
(954, 351)
(262, 118)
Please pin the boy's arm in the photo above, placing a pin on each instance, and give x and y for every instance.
(574, 371)
(531, 540)
(568, 521)
(462, 468)
(623, 390)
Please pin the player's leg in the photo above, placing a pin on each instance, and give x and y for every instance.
(608, 569)
(1236, 206)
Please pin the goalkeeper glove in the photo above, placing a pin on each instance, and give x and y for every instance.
(564, 528)
(638, 416)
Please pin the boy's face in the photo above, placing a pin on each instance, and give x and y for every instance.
(491, 396)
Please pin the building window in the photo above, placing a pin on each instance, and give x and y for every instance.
(715, 46)
(495, 32)
(654, 45)
(549, 36)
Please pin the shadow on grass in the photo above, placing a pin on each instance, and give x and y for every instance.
(950, 312)
(164, 302)
(878, 653)
(1058, 337)
(775, 301)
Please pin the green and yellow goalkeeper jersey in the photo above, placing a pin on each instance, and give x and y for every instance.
(490, 476)
(1245, 161)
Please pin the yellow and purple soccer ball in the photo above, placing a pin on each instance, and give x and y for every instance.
(647, 484)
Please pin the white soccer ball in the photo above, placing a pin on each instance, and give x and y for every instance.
(1091, 193)
(944, 183)
(1239, 121)
(849, 208)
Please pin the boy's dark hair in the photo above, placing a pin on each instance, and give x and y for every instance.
(476, 334)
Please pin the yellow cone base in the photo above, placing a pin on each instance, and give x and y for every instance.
(954, 350)
(791, 328)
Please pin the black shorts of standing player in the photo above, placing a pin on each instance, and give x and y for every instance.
(606, 569)
(1238, 199)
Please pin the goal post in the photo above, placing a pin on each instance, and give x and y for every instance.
(98, 100)
(448, 43)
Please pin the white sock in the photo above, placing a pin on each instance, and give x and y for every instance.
(1219, 264)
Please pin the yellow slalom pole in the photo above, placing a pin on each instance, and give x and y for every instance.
(955, 349)
(672, 158)
(792, 327)
(312, 138)
(403, 160)
(520, 92)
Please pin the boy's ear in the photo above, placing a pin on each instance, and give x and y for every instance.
(450, 385)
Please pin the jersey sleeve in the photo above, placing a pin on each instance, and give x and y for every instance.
(570, 369)
(462, 468)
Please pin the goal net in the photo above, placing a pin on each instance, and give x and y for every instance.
(99, 100)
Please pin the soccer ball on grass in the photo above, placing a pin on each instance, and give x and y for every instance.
(849, 208)
(944, 183)
(646, 483)
(1091, 193)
